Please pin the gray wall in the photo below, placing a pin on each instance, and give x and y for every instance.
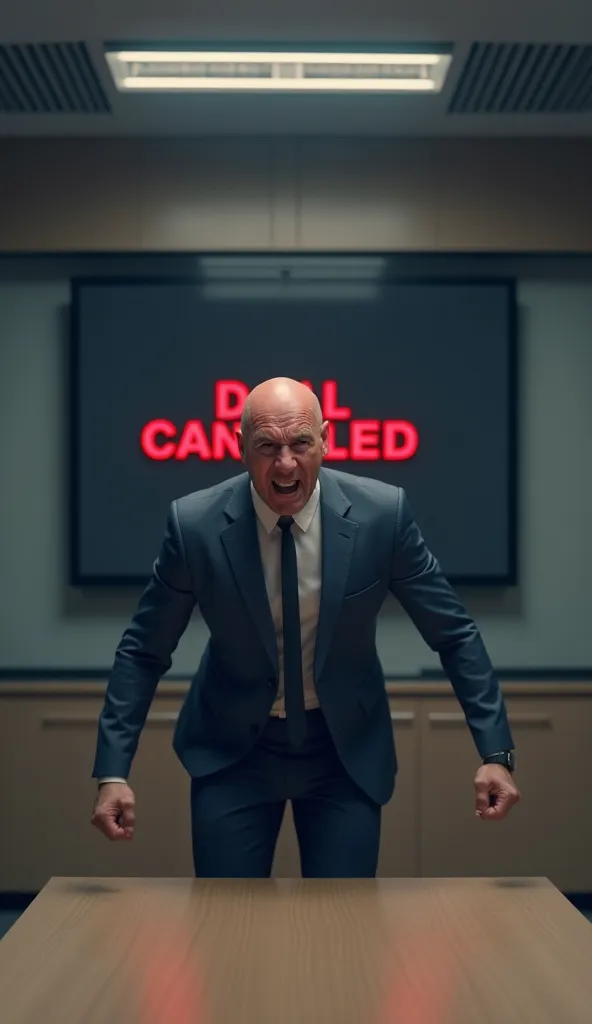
(545, 623)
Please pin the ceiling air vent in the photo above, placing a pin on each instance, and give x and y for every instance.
(524, 78)
(50, 78)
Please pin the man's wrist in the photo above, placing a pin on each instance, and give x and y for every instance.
(111, 778)
(505, 758)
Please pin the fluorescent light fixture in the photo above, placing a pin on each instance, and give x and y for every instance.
(269, 71)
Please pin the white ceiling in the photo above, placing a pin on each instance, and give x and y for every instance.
(460, 22)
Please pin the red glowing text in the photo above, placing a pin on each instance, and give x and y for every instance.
(359, 440)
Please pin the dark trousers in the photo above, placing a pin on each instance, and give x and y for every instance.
(236, 813)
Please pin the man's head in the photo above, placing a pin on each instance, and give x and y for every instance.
(282, 442)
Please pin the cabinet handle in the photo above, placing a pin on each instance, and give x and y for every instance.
(534, 719)
(76, 718)
(402, 716)
(65, 719)
(162, 718)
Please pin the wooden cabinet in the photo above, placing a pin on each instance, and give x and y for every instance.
(400, 844)
(429, 828)
(46, 798)
(549, 833)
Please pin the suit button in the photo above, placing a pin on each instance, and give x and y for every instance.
(271, 682)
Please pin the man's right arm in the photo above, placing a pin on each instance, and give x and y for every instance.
(144, 655)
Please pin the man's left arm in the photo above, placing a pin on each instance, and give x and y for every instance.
(418, 583)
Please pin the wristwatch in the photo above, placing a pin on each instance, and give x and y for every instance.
(505, 757)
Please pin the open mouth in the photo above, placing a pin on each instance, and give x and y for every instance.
(286, 489)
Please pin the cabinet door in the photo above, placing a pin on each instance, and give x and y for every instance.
(286, 863)
(549, 833)
(399, 837)
(399, 847)
(47, 747)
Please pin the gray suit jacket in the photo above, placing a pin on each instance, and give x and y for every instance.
(210, 557)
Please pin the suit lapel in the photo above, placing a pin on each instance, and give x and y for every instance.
(241, 542)
(338, 542)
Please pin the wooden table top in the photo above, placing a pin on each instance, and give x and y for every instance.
(293, 951)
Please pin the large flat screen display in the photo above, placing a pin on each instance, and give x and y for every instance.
(416, 380)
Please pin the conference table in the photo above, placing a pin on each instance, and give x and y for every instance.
(297, 951)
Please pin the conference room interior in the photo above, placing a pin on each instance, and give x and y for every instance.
(423, 257)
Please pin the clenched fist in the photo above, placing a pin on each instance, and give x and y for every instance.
(113, 812)
(495, 792)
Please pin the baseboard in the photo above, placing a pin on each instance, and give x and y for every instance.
(16, 900)
(580, 900)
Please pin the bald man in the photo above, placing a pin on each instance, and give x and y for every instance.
(290, 564)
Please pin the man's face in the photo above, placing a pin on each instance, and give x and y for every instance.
(283, 453)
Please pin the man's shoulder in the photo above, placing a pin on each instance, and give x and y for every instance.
(365, 489)
(209, 500)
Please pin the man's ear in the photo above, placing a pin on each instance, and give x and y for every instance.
(325, 437)
(241, 444)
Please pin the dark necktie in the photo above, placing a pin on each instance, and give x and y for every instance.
(293, 685)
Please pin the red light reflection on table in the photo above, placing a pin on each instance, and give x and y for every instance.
(168, 976)
(423, 973)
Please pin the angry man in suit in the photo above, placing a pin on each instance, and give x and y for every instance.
(289, 565)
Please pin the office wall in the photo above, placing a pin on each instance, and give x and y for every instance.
(544, 623)
(415, 196)
(428, 195)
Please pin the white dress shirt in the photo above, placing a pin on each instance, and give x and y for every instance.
(308, 542)
(307, 538)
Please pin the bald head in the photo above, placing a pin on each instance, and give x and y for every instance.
(282, 442)
(276, 397)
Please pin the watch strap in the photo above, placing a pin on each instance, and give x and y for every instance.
(506, 758)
